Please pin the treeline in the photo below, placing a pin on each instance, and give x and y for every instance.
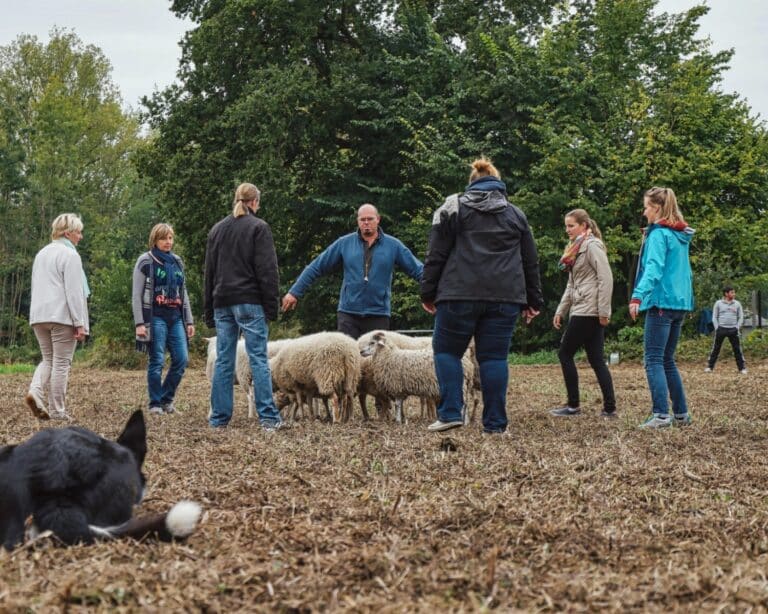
(327, 105)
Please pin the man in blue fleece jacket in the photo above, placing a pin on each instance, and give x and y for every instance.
(368, 258)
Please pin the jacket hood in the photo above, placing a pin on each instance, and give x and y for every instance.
(588, 241)
(680, 230)
(488, 202)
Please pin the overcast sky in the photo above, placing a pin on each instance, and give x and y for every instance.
(140, 38)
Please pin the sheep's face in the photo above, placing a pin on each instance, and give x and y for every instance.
(377, 341)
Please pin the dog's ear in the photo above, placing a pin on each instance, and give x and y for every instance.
(134, 436)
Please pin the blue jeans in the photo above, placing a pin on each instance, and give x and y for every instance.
(661, 334)
(492, 325)
(229, 322)
(174, 338)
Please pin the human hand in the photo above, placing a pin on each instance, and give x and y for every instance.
(79, 333)
(289, 302)
(604, 320)
(141, 330)
(429, 307)
(530, 313)
(190, 331)
(634, 309)
(557, 321)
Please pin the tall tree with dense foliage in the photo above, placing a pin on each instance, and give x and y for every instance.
(330, 104)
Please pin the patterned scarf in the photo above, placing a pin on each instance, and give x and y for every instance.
(571, 251)
(169, 279)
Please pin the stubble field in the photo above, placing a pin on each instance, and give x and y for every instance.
(560, 514)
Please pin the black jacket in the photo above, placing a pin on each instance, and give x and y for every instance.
(240, 266)
(481, 248)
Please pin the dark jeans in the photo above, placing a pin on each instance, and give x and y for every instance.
(172, 337)
(492, 325)
(661, 334)
(732, 334)
(355, 326)
(586, 332)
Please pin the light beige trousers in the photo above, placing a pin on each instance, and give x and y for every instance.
(57, 344)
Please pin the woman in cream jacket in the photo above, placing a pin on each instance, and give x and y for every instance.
(58, 315)
(587, 298)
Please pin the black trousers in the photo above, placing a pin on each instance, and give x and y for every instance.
(732, 334)
(355, 326)
(586, 332)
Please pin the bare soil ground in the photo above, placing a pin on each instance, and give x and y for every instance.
(560, 514)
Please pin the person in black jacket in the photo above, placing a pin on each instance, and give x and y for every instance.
(481, 272)
(241, 293)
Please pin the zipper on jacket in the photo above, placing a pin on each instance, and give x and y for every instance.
(367, 255)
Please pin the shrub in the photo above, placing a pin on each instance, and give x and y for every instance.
(628, 343)
(756, 343)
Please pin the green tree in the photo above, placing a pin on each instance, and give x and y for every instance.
(330, 104)
(65, 145)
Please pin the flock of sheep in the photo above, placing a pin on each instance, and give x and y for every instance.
(330, 366)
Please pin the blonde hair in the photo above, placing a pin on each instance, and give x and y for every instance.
(580, 216)
(64, 223)
(667, 201)
(245, 193)
(483, 167)
(158, 232)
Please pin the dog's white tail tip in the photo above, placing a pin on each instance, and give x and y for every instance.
(183, 518)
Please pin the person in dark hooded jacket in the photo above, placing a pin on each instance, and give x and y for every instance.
(664, 291)
(481, 272)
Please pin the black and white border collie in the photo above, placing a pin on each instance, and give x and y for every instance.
(82, 487)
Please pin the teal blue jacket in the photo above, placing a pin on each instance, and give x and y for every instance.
(664, 278)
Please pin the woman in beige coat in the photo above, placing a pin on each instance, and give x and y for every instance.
(58, 314)
(587, 298)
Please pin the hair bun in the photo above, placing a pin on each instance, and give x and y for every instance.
(482, 166)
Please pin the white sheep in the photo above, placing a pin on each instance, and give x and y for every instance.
(326, 364)
(243, 374)
(367, 383)
(400, 373)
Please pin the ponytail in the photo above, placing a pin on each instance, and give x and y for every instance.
(665, 199)
(245, 193)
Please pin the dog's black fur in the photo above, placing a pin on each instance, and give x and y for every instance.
(75, 484)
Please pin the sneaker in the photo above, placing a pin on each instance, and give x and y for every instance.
(708, 370)
(35, 403)
(157, 410)
(439, 425)
(277, 426)
(656, 421)
(565, 411)
(743, 371)
(610, 415)
(169, 408)
(61, 415)
(682, 419)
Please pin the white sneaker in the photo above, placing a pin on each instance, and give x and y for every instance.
(743, 371)
(707, 370)
(439, 425)
(156, 410)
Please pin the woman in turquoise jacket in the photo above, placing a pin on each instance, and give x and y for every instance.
(664, 292)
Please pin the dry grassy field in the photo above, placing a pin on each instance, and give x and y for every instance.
(560, 514)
